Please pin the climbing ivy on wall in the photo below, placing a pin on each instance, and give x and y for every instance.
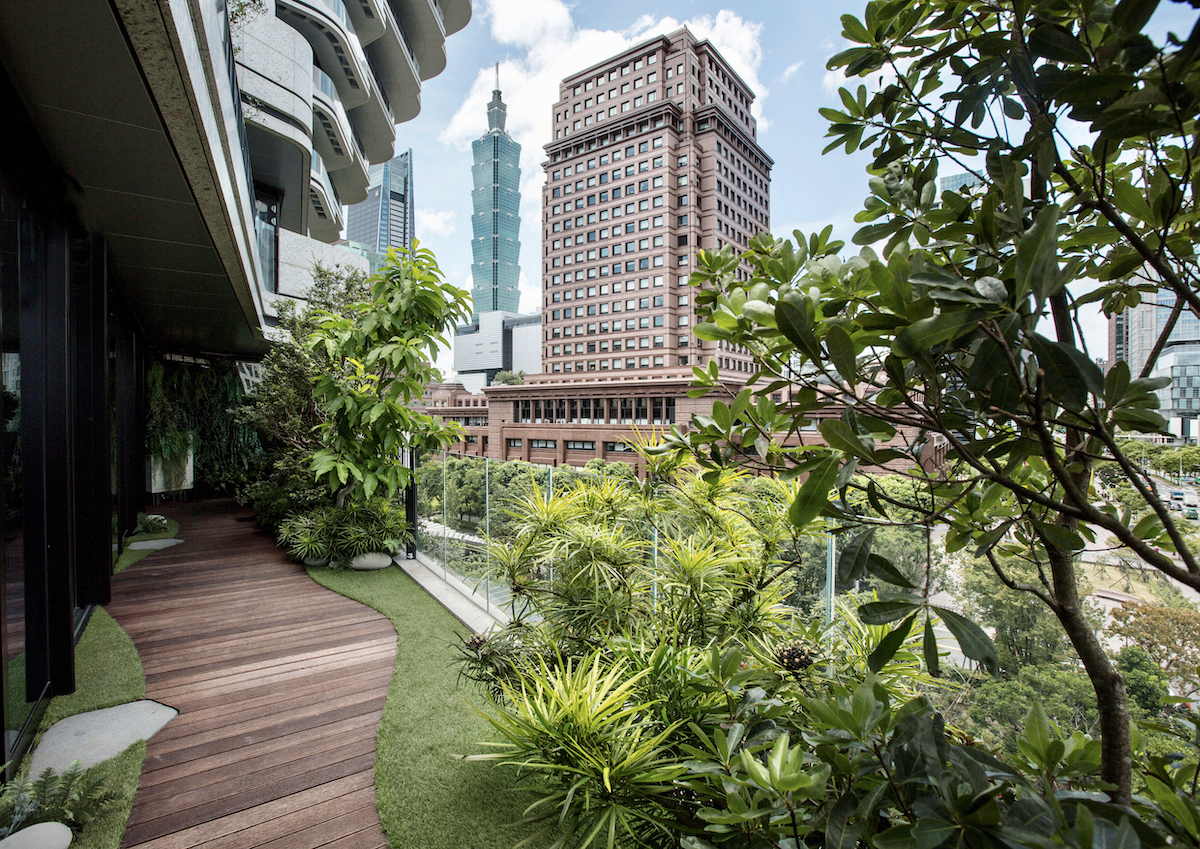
(189, 406)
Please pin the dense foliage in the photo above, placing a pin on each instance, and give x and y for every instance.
(953, 342)
(336, 535)
(71, 797)
(380, 354)
(283, 407)
(656, 691)
(190, 407)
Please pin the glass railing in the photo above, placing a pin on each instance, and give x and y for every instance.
(318, 168)
(463, 501)
(323, 84)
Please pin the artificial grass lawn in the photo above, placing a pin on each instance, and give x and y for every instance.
(130, 556)
(107, 673)
(428, 796)
(170, 533)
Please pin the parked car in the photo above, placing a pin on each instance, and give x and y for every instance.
(1190, 513)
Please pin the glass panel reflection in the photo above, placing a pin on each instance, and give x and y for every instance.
(12, 594)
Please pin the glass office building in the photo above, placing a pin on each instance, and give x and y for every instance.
(496, 216)
(385, 219)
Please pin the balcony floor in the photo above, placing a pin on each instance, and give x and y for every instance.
(279, 685)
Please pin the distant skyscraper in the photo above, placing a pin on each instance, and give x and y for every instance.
(496, 215)
(385, 218)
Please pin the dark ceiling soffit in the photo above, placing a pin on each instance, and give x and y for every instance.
(161, 46)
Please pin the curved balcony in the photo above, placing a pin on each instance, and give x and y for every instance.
(325, 207)
(335, 142)
(368, 19)
(395, 65)
(455, 14)
(375, 127)
(423, 24)
(327, 27)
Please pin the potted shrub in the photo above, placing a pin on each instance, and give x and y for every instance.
(359, 535)
(309, 537)
(370, 533)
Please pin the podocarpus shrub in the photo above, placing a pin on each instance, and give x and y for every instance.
(656, 693)
(339, 534)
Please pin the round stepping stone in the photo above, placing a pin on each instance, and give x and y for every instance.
(44, 835)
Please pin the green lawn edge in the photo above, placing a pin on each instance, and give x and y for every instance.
(428, 795)
(171, 532)
(108, 672)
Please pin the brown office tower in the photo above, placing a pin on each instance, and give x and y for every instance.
(654, 156)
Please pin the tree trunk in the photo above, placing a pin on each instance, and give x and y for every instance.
(1112, 703)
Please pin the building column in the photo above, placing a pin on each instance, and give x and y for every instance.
(46, 459)
(90, 424)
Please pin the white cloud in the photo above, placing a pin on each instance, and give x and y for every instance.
(791, 70)
(435, 222)
(548, 46)
(737, 39)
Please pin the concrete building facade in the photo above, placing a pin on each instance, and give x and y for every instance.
(497, 341)
(322, 85)
(1132, 336)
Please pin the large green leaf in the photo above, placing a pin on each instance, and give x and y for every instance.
(1035, 255)
(884, 569)
(972, 639)
(888, 610)
(842, 353)
(852, 559)
(890, 644)
(814, 493)
(791, 316)
(839, 435)
(929, 647)
(928, 332)
(1063, 380)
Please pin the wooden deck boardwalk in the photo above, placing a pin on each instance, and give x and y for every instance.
(279, 685)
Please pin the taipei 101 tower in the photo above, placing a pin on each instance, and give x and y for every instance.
(495, 218)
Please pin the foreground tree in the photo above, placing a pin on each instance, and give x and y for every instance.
(283, 407)
(960, 330)
(381, 354)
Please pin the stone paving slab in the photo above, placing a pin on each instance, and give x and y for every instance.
(98, 735)
(153, 544)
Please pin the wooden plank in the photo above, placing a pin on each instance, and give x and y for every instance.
(279, 683)
(209, 832)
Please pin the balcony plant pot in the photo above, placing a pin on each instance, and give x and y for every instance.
(308, 537)
(371, 561)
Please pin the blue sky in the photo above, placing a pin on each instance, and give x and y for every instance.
(780, 47)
